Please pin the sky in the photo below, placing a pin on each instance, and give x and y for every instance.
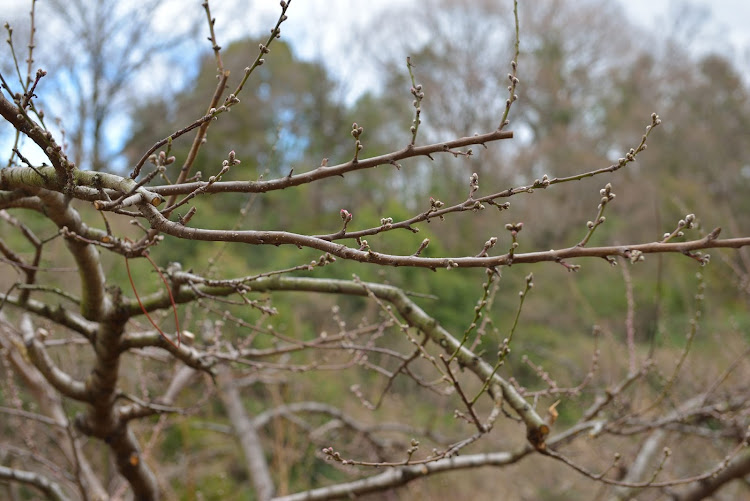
(315, 25)
(727, 18)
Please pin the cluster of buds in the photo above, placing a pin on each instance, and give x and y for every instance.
(682, 224)
(543, 183)
(635, 256)
(504, 349)
(529, 285)
(414, 443)
(606, 194)
(514, 229)
(487, 246)
(477, 206)
(386, 223)
(356, 132)
(230, 101)
(231, 160)
(332, 454)
(606, 197)
(435, 204)
(501, 207)
(161, 159)
(688, 222)
(225, 165)
(630, 155)
(325, 259)
(513, 80)
(473, 184)
(512, 87)
(214, 113)
(416, 91)
(703, 259)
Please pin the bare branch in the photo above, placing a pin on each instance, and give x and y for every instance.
(246, 433)
(55, 376)
(254, 237)
(49, 488)
(324, 172)
(737, 468)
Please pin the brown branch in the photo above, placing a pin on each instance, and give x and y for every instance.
(130, 463)
(737, 468)
(58, 314)
(50, 405)
(21, 122)
(396, 477)
(536, 426)
(61, 380)
(399, 476)
(255, 237)
(97, 187)
(247, 435)
(212, 38)
(469, 405)
(323, 172)
(651, 448)
(337, 414)
(51, 489)
(187, 354)
(201, 134)
(212, 113)
(600, 477)
(29, 270)
(94, 300)
(415, 316)
(31, 415)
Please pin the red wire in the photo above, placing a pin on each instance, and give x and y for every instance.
(143, 308)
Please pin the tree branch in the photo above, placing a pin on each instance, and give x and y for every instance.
(253, 237)
(50, 405)
(59, 315)
(50, 489)
(537, 428)
(94, 300)
(324, 172)
(396, 477)
(246, 433)
(737, 468)
(58, 378)
(187, 354)
(22, 123)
